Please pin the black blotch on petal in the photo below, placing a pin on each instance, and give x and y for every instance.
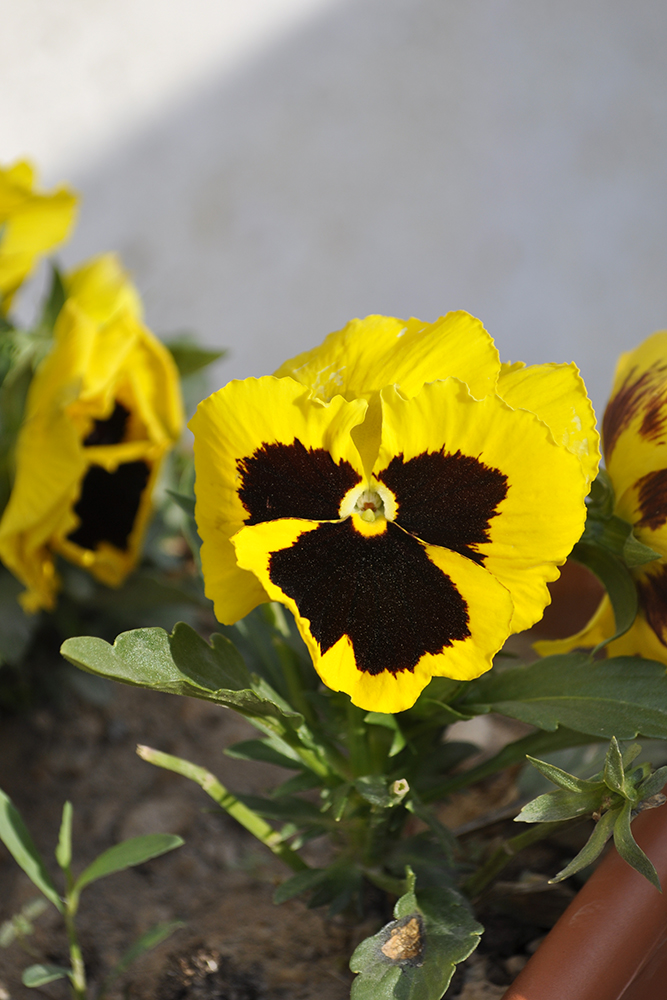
(109, 431)
(446, 498)
(382, 591)
(653, 598)
(108, 505)
(290, 480)
(645, 392)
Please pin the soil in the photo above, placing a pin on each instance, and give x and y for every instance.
(235, 944)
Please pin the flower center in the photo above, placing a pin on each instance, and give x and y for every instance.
(369, 505)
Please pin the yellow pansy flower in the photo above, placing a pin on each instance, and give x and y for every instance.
(103, 409)
(402, 493)
(30, 225)
(634, 436)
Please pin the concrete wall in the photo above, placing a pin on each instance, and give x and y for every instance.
(271, 168)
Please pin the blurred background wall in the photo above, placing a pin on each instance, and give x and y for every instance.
(269, 169)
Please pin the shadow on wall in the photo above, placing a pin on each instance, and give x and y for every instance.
(408, 158)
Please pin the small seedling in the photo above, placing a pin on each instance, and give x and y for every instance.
(17, 840)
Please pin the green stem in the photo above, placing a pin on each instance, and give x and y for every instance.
(357, 744)
(78, 974)
(397, 886)
(474, 885)
(241, 813)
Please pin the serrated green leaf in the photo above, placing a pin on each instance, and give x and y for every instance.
(561, 805)
(126, 855)
(64, 848)
(630, 754)
(624, 696)
(151, 939)
(433, 931)
(593, 846)
(613, 773)
(19, 843)
(180, 663)
(568, 782)
(617, 580)
(629, 849)
(41, 974)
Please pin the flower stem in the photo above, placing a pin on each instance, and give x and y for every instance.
(479, 880)
(241, 813)
(78, 974)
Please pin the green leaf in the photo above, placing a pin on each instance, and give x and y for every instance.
(615, 577)
(653, 784)
(388, 722)
(151, 939)
(593, 846)
(629, 849)
(41, 974)
(55, 300)
(264, 751)
(180, 663)
(126, 855)
(414, 956)
(635, 553)
(561, 805)
(601, 500)
(613, 774)
(190, 357)
(64, 848)
(623, 696)
(186, 503)
(301, 882)
(18, 842)
(569, 782)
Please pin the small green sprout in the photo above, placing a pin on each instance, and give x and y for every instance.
(613, 797)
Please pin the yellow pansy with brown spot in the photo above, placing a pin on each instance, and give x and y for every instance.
(634, 436)
(387, 492)
(102, 411)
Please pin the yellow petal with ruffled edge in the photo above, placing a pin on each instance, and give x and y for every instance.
(31, 224)
(373, 608)
(634, 428)
(257, 421)
(368, 354)
(542, 389)
(102, 411)
(485, 480)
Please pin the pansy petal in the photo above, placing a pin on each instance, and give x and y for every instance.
(265, 450)
(370, 353)
(31, 224)
(101, 287)
(381, 613)
(504, 493)
(634, 429)
(600, 627)
(557, 395)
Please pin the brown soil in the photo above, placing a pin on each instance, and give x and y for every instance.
(236, 945)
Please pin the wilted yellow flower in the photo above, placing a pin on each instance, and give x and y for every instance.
(30, 225)
(405, 495)
(102, 411)
(634, 436)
